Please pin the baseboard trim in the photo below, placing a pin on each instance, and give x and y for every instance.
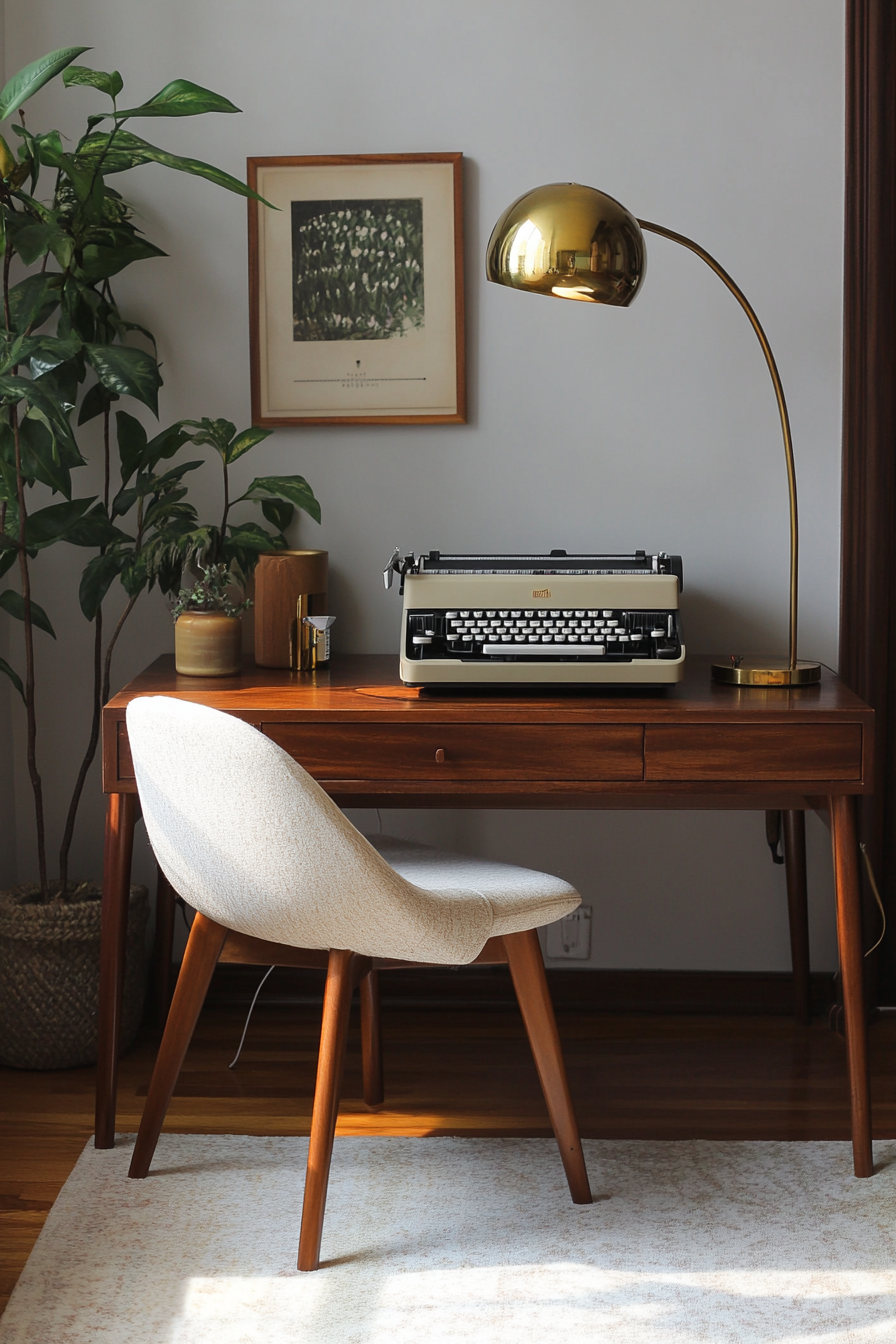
(601, 991)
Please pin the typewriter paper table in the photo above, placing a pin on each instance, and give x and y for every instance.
(371, 742)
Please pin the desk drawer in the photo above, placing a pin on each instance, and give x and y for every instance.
(753, 751)
(463, 751)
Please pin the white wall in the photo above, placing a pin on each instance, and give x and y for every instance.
(653, 427)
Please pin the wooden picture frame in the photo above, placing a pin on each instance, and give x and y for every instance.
(356, 290)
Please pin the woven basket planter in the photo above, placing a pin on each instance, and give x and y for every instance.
(50, 978)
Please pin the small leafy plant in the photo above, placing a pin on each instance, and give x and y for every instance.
(65, 346)
(238, 546)
(209, 594)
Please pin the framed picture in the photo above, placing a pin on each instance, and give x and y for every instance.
(356, 290)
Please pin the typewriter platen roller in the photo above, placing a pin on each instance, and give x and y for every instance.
(539, 619)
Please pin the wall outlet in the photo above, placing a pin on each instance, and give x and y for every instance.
(569, 938)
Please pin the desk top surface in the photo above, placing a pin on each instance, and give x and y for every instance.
(367, 686)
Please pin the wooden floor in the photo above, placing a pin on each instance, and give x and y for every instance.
(452, 1072)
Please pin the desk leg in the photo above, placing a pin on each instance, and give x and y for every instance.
(798, 910)
(849, 938)
(121, 811)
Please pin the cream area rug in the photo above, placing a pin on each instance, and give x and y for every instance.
(430, 1240)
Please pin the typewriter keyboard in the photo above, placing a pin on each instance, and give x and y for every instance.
(568, 635)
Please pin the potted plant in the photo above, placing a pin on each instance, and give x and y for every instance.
(207, 630)
(66, 233)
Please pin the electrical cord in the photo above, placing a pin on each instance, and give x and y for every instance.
(239, 1048)
(880, 904)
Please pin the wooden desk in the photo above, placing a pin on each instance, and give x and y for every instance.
(371, 742)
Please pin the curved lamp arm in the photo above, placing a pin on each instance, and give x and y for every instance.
(782, 409)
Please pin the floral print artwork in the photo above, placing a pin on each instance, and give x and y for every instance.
(357, 269)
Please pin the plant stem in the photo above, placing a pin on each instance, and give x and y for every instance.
(86, 763)
(107, 461)
(107, 666)
(36, 784)
(98, 698)
(31, 717)
(7, 262)
(220, 548)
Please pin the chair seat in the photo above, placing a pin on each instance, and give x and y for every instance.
(520, 898)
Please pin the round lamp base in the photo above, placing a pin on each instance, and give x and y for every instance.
(756, 670)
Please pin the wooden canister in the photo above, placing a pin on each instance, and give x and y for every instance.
(282, 580)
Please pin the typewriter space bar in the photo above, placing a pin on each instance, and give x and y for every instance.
(546, 650)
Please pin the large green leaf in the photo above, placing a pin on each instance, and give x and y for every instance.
(159, 484)
(48, 148)
(171, 509)
(13, 676)
(124, 501)
(14, 605)
(244, 441)
(95, 79)
(180, 98)
(97, 579)
(131, 443)
(95, 529)
(41, 459)
(99, 263)
(127, 371)
(51, 524)
(119, 150)
(8, 489)
(60, 382)
(134, 577)
(96, 400)
(245, 543)
(44, 353)
(217, 433)
(165, 444)
(14, 388)
(294, 488)
(34, 76)
(37, 240)
(7, 560)
(33, 299)
(250, 536)
(279, 512)
(122, 328)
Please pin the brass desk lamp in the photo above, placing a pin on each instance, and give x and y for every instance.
(573, 242)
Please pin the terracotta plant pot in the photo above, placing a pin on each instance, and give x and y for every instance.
(50, 977)
(208, 644)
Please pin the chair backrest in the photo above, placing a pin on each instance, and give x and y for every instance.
(248, 838)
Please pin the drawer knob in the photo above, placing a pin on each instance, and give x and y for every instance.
(440, 755)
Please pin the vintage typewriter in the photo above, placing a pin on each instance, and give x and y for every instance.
(539, 619)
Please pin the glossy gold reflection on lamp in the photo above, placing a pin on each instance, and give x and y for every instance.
(573, 242)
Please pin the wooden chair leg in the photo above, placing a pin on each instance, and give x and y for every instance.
(371, 1041)
(200, 958)
(333, 1036)
(529, 980)
(798, 910)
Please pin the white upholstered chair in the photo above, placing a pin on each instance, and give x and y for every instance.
(278, 876)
